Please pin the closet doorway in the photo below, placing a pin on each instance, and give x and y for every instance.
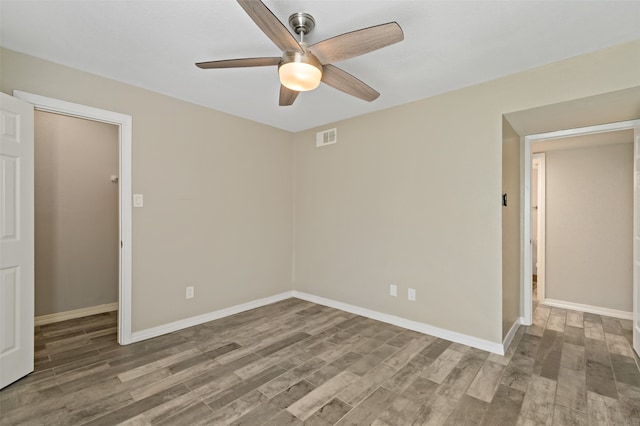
(76, 217)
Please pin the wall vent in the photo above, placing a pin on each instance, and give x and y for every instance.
(326, 137)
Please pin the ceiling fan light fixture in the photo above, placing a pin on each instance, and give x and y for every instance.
(302, 67)
(300, 72)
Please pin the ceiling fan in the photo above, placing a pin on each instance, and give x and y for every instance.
(302, 67)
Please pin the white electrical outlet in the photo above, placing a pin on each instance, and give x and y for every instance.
(411, 294)
(189, 292)
(393, 290)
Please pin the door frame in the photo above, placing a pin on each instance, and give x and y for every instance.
(526, 141)
(124, 123)
(635, 339)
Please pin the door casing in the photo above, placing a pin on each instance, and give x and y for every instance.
(636, 237)
(124, 123)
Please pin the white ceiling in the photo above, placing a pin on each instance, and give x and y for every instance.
(448, 45)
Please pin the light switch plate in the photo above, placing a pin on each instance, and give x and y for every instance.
(411, 294)
(138, 200)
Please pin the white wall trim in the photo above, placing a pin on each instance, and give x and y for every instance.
(636, 236)
(124, 122)
(511, 334)
(76, 313)
(526, 287)
(442, 333)
(149, 333)
(526, 198)
(498, 348)
(587, 308)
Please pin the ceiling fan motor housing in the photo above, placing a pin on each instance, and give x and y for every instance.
(300, 71)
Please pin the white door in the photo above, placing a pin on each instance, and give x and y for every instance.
(636, 239)
(16, 239)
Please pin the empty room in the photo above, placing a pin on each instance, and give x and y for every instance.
(319, 212)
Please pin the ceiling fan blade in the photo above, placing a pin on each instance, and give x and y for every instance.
(345, 82)
(239, 63)
(270, 25)
(357, 43)
(287, 96)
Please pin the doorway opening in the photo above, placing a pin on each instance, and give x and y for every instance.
(123, 123)
(585, 184)
(529, 211)
(76, 217)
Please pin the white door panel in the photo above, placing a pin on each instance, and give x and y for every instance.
(16, 239)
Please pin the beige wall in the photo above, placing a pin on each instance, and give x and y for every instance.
(411, 195)
(511, 239)
(217, 192)
(76, 216)
(589, 226)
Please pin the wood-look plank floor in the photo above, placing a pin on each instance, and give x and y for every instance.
(295, 362)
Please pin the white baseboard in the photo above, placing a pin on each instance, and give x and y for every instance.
(453, 336)
(148, 333)
(442, 333)
(511, 334)
(76, 313)
(588, 308)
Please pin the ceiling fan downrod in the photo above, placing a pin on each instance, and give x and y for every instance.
(302, 23)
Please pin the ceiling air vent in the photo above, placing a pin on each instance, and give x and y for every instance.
(326, 137)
